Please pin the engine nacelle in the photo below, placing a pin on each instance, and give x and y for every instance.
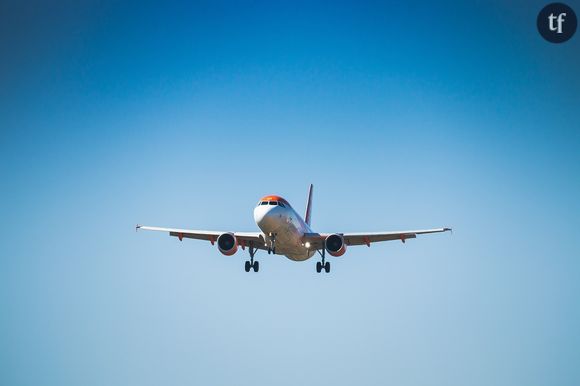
(335, 245)
(227, 244)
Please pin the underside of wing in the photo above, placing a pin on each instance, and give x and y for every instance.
(316, 240)
(255, 239)
(367, 238)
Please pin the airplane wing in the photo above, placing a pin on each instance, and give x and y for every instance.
(316, 240)
(245, 238)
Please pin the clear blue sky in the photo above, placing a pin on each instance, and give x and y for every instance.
(403, 116)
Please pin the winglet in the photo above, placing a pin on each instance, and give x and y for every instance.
(308, 213)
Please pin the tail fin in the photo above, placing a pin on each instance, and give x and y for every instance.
(308, 206)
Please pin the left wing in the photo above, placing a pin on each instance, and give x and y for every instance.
(245, 238)
(316, 240)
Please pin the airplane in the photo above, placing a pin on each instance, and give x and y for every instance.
(285, 232)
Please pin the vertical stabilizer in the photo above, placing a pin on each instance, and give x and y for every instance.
(308, 206)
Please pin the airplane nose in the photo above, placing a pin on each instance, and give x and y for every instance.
(259, 213)
(263, 215)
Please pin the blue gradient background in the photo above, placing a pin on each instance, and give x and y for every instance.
(403, 116)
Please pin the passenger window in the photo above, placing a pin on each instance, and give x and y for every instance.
(273, 203)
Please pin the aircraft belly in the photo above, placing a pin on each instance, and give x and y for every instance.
(305, 254)
(289, 241)
(288, 236)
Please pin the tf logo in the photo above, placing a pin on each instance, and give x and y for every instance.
(557, 22)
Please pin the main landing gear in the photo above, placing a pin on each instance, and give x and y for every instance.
(322, 265)
(255, 265)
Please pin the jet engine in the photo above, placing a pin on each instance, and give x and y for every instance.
(335, 245)
(227, 244)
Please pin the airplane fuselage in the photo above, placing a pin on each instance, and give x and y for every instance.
(283, 227)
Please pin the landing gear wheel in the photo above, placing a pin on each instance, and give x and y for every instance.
(256, 266)
(318, 266)
(327, 267)
(269, 250)
(247, 266)
(274, 250)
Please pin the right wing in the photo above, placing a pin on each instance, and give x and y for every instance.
(256, 239)
(367, 238)
(316, 240)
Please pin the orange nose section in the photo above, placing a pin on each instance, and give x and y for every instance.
(274, 198)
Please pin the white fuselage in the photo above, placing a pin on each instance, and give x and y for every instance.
(286, 228)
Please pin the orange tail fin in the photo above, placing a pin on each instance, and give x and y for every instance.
(308, 206)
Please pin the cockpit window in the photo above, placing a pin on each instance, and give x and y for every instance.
(281, 204)
(264, 203)
(273, 202)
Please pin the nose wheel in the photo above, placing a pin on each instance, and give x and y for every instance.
(272, 247)
(251, 264)
(322, 265)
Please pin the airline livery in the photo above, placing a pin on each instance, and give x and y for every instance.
(285, 232)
